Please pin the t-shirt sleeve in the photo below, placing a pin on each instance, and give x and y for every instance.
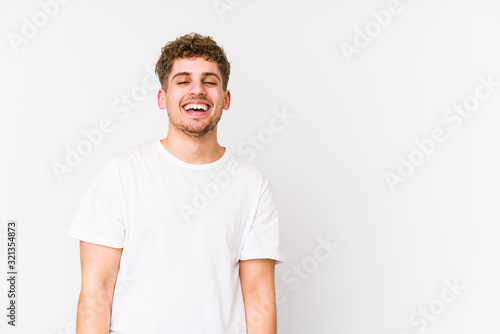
(263, 239)
(99, 218)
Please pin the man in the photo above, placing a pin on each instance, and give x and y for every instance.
(180, 235)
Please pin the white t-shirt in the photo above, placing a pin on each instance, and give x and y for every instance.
(183, 229)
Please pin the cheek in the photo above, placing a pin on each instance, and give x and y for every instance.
(174, 98)
(218, 97)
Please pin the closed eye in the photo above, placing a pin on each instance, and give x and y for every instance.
(210, 83)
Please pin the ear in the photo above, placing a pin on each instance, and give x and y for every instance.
(162, 99)
(227, 99)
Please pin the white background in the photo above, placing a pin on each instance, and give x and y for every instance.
(353, 118)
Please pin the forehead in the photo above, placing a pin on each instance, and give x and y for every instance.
(196, 66)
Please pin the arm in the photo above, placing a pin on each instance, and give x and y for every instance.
(257, 285)
(100, 266)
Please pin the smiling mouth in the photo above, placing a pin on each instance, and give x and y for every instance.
(196, 109)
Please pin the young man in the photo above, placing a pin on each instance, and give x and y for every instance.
(180, 235)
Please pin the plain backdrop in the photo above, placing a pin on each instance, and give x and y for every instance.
(360, 87)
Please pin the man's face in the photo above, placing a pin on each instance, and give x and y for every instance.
(194, 96)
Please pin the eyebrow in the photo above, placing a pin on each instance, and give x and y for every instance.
(205, 74)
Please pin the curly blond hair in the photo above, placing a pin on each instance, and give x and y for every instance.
(189, 46)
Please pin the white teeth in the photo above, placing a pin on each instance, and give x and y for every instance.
(196, 106)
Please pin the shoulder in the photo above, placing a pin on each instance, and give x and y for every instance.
(239, 166)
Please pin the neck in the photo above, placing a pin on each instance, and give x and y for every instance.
(193, 150)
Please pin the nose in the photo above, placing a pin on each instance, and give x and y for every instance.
(197, 88)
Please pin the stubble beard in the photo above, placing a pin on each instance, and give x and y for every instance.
(196, 128)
